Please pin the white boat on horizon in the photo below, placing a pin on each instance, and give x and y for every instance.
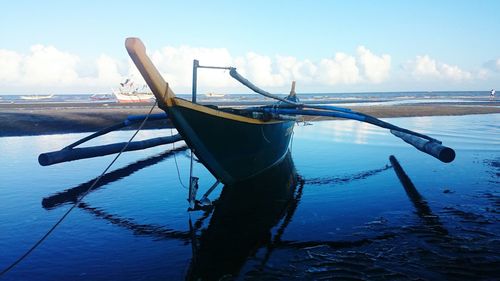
(214, 95)
(127, 93)
(101, 97)
(37, 97)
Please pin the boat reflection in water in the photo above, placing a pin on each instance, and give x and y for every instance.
(242, 220)
(71, 195)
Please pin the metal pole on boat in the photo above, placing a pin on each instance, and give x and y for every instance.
(196, 63)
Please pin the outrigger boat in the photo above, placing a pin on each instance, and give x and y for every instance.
(237, 144)
(234, 144)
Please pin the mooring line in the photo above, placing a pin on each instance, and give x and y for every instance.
(21, 258)
(177, 166)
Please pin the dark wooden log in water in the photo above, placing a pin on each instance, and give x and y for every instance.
(432, 148)
(66, 155)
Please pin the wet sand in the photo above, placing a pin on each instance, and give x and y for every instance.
(40, 119)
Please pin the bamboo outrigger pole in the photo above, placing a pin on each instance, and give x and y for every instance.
(66, 155)
(258, 90)
(70, 153)
(433, 148)
(420, 141)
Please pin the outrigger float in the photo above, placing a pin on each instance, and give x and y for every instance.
(234, 144)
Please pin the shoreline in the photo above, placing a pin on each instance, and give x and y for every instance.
(40, 119)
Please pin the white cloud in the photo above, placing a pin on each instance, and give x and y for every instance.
(483, 74)
(47, 66)
(341, 69)
(44, 66)
(492, 65)
(425, 67)
(292, 69)
(47, 69)
(107, 70)
(10, 64)
(176, 65)
(454, 72)
(259, 69)
(376, 69)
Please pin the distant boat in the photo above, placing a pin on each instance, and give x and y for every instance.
(130, 97)
(37, 97)
(214, 95)
(127, 93)
(492, 93)
(101, 97)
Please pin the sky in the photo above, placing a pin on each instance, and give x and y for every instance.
(71, 47)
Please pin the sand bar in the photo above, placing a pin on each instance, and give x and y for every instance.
(40, 119)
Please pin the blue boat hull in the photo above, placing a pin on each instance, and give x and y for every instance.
(232, 150)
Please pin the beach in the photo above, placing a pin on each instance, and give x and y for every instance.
(60, 118)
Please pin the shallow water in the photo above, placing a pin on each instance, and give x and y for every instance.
(366, 99)
(345, 215)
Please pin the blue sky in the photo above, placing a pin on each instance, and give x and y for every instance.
(327, 46)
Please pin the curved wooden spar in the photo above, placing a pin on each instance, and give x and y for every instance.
(151, 75)
(258, 90)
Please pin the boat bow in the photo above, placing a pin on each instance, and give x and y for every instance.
(234, 145)
(149, 72)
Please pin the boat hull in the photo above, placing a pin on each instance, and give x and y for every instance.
(36, 97)
(232, 150)
(134, 97)
(233, 145)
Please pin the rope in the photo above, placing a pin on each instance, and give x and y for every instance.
(26, 254)
(177, 166)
